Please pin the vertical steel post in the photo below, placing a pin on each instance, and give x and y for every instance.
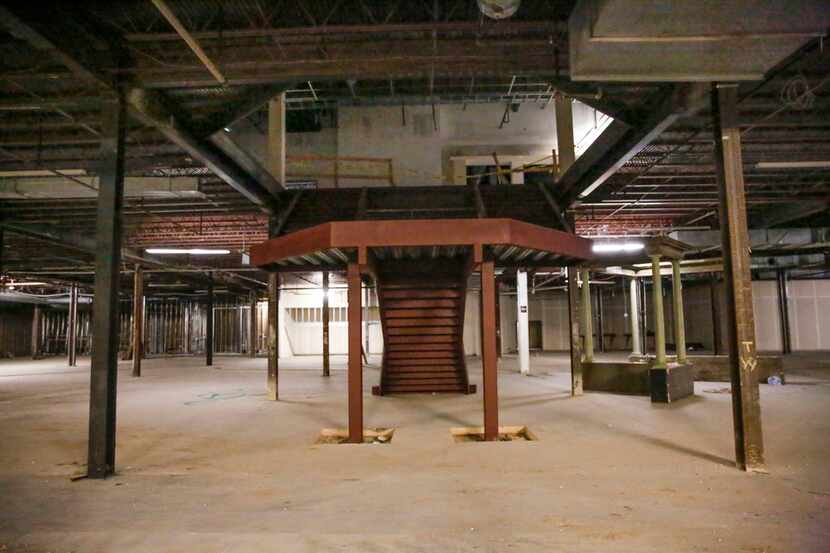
(600, 325)
(659, 314)
(138, 320)
(72, 328)
(489, 357)
(355, 362)
(735, 245)
(104, 373)
(252, 330)
(326, 361)
(784, 312)
(209, 324)
(587, 317)
(573, 325)
(36, 335)
(273, 336)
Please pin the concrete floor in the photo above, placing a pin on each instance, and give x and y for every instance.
(207, 464)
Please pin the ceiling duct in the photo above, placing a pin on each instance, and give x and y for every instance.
(688, 40)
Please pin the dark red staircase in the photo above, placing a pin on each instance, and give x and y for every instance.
(422, 314)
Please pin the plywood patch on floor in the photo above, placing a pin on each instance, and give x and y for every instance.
(370, 436)
(506, 434)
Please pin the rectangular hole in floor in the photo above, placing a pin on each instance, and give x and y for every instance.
(506, 434)
(341, 436)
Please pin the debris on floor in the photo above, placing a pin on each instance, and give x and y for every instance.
(506, 434)
(341, 436)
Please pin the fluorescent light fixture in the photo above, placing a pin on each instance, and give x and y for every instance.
(187, 251)
(17, 284)
(618, 247)
(793, 165)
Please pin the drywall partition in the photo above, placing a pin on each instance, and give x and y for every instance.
(809, 313)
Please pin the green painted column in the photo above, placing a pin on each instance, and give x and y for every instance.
(679, 323)
(659, 318)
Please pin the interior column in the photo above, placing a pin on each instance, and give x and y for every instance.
(104, 371)
(72, 328)
(735, 245)
(273, 336)
(489, 356)
(679, 323)
(209, 324)
(784, 312)
(522, 322)
(276, 138)
(587, 322)
(659, 316)
(634, 316)
(138, 320)
(36, 332)
(573, 322)
(355, 384)
(252, 326)
(326, 360)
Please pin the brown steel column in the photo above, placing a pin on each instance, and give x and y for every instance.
(209, 324)
(784, 312)
(252, 330)
(489, 355)
(273, 336)
(138, 320)
(326, 366)
(36, 332)
(355, 366)
(743, 361)
(573, 324)
(104, 373)
(713, 307)
(72, 328)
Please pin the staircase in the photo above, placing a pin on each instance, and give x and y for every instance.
(422, 314)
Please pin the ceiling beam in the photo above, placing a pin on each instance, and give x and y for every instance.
(620, 142)
(153, 109)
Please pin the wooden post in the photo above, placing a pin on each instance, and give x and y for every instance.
(138, 320)
(355, 362)
(573, 324)
(252, 330)
(679, 322)
(489, 356)
(326, 361)
(104, 372)
(72, 328)
(735, 245)
(659, 315)
(273, 336)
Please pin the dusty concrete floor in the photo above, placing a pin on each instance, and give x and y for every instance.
(207, 464)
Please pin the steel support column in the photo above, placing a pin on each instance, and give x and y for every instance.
(252, 329)
(587, 317)
(273, 336)
(138, 320)
(209, 324)
(679, 315)
(715, 312)
(735, 245)
(573, 323)
(104, 372)
(36, 338)
(355, 385)
(522, 330)
(784, 312)
(489, 357)
(600, 321)
(326, 360)
(72, 328)
(659, 314)
(634, 314)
